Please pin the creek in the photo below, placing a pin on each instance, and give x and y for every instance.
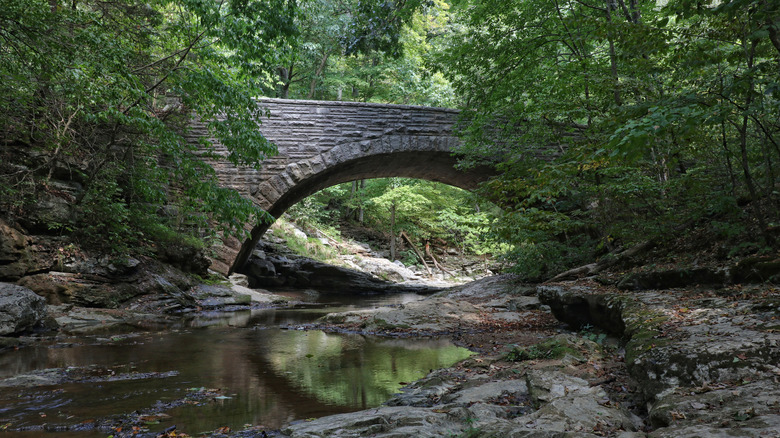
(227, 369)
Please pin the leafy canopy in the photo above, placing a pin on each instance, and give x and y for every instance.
(106, 91)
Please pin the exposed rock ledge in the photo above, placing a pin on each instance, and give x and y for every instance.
(705, 363)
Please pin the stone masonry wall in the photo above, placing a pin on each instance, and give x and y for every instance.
(324, 143)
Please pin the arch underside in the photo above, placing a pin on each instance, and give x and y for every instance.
(439, 166)
(430, 165)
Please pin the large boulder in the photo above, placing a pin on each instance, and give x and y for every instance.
(20, 309)
(385, 269)
(51, 212)
(301, 272)
(185, 257)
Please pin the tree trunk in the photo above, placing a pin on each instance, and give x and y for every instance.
(727, 153)
(743, 136)
(392, 233)
(774, 32)
(416, 252)
(360, 207)
(743, 130)
(352, 213)
(284, 78)
(317, 75)
(613, 57)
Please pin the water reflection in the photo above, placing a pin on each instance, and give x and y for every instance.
(351, 370)
(267, 376)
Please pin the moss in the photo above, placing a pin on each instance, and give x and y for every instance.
(212, 279)
(384, 325)
(243, 299)
(553, 348)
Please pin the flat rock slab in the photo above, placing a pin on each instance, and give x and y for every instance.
(434, 314)
(469, 410)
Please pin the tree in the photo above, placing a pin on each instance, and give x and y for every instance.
(366, 50)
(612, 117)
(107, 89)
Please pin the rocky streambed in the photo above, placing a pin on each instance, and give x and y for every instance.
(564, 359)
(670, 363)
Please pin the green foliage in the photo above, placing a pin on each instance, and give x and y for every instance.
(426, 211)
(311, 212)
(619, 122)
(593, 336)
(550, 349)
(374, 51)
(305, 246)
(106, 89)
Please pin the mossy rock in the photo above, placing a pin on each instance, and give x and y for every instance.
(556, 347)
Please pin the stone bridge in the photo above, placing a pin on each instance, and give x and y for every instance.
(326, 143)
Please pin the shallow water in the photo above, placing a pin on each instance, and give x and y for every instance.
(259, 369)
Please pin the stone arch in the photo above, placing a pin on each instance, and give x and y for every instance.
(325, 143)
(420, 157)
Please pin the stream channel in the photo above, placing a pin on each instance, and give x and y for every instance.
(252, 367)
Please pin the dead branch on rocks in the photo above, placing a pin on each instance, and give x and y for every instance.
(417, 252)
(605, 262)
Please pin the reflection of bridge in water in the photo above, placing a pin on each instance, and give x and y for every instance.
(326, 143)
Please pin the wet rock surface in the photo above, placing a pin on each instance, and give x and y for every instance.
(490, 397)
(689, 362)
(757, 269)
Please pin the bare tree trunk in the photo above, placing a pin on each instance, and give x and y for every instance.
(634, 14)
(352, 214)
(284, 78)
(613, 57)
(357, 213)
(392, 233)
(743, 135)
(317, 75)
(436, 263)
(774, 32)
(743, 130)
(727, 153)
(416, 252)
(360, 207)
